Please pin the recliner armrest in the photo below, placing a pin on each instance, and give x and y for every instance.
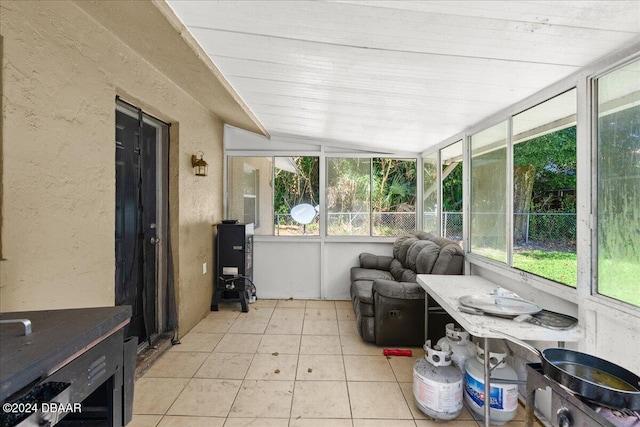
(398, 290)
(376, 262)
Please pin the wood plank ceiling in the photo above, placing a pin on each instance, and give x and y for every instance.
(398, 75)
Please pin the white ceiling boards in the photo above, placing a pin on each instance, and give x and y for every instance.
(401, 75)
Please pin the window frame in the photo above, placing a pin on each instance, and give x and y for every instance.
(256, 193)
(585, 292)
(595, 299)
(323, 154)
(506, 269)
(371, 157)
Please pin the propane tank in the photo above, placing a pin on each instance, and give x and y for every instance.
(437, 385)
(458, 341)
(503, 397)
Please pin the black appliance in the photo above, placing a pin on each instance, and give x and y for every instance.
(233, 278)
(67, 367)
(571, 410)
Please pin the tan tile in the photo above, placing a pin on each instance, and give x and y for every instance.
(197, 341)
(320, 327)
(416, 351)
(407, 391)
(520, 413)
(281, 344)
(155, 395)
(353, 344)
(245, 325)
(206, 397)
(320, 367)
(345, 314)
(403, 367)
(368, 368)
(232, 366)
(320, 314)
(280, 367)
(383, 423)
(320, 344)
(344, 304)
(320, 399)
(238, 343)
(377, 400)
(256, 422)
(320, 422)
(212, 325)
(264, 303)
(321, 304)
(288, 313)
(347, 327)
(182, 421)
(257, 313)
(452, 423)
(465, 415)
(226, 311)
(144, 421)
(284, 327)
(263, 399)
(291, 303)
(176, 365)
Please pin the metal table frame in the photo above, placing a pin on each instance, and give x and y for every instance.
(446, 289)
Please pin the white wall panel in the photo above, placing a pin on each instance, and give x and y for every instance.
(291, 268)
(287, 268)
(617, 341)
(339, 258)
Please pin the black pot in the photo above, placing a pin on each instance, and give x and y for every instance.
(591, 377)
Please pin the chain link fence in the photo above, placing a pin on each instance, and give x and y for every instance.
(351, 223)
(554, 227)
(545, 227)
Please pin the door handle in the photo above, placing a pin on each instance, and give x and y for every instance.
(154, 240)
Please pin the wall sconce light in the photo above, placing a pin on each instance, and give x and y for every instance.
(200, 167)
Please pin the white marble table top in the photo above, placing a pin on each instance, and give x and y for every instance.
(446, 289)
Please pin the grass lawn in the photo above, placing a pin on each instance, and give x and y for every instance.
(617, 279)
(561, 267)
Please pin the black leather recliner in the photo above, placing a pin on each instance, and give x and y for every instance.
(388, 303)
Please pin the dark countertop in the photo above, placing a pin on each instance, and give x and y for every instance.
(56, 336)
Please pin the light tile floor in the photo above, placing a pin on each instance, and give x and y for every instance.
(284, 363)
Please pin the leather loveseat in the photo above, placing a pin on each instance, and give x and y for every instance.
(388, 303)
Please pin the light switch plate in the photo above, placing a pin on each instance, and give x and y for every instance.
(204, 268)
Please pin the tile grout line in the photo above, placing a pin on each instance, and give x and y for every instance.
(244, 378)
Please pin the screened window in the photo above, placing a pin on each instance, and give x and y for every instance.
(430, 196)
(249, 201)
(451, 166)
(618, 184)
(488, 193)
(268, 191)
(371, 196)
(544, 189)
(295, 195)
(250, 195)
(348, 196)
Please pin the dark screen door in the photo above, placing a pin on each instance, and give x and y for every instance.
(136, 223)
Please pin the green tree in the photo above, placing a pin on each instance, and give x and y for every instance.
(452, 190)
(553, 159)
(291, 189)
(394, 185)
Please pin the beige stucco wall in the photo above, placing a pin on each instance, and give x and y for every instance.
(61, 72)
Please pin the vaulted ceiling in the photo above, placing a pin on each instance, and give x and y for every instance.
(398, 75)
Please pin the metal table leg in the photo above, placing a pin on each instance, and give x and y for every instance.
(529, 408)
(487, 383)
(426, 316)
